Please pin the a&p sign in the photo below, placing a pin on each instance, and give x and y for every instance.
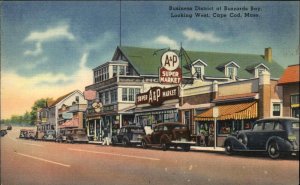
(170, 72)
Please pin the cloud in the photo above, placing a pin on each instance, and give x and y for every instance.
(51, 34)
(166, 41)
(192, 34)
(33, 64)
(38, 50)
(40, 86)
(58, 32)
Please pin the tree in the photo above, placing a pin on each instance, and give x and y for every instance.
(41, 103)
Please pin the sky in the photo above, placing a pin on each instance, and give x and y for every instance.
(49, 48)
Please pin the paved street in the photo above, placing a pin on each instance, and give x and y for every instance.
(36, 162)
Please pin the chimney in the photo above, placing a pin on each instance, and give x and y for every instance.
(268, 54)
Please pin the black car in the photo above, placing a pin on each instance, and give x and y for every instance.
(9, 127)
(129, 135)
(3, 132)
(165, 135)
(276, 136)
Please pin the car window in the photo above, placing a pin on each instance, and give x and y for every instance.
(269, 125)
(161, 128)
(278, 126)
(155, 129)
(165, 128)
(258, 126)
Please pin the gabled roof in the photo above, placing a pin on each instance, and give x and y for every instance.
(256, 65)
(146, 62)
(59, 99)
(290, 75)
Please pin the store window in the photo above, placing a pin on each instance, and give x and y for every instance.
(187, 118)
(276, 109)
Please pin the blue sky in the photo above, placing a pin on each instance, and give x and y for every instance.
(54, 45)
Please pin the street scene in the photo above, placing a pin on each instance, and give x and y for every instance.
(36, 162)
(138, 92)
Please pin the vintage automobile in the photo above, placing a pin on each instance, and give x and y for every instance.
(39, 135)
(3, 132)
(165, 135)
(27, 134)
(61, 136)
(129, 135)
(49, 135)
(76, 135)
(9, 127)
(276, 136)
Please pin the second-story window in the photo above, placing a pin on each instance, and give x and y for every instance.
(107, 97)
(131, 94)
(231, 72)
(121, 70)
(115, 70)
(124, 94)
(198, 72)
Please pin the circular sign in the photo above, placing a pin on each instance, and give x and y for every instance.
(170, 60)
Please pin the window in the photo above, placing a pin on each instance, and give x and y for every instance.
(258, 127)
(131, 94)
(278, 126)
(121, 70)
(276, 109)
(124, 94)
(295, 99)
(115, 70)
(113, 96)
(269, 126)
(106, 97)
(231, 72)
(137, 91)
(198, 72)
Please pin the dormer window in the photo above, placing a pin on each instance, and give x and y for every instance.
(231, 70)
(257, 69)
(198, 69)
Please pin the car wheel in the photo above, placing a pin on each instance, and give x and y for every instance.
(228, 148)
(164, 146)
(144, 144)
(186, 148)
(273, 150)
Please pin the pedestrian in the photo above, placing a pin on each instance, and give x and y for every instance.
(106, 139)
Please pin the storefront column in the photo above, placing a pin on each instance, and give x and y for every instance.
(95, 130)
(120, 120)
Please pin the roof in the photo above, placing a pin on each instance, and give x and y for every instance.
(147, 62)
(290, 75)
(59, 99)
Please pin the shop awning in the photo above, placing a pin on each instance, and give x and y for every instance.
(235, 111)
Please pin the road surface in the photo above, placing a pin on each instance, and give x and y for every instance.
(27, 162)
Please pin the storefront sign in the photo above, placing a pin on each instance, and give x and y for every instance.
(157, 95)
(170, 72)
(90, 95)
(67, 115)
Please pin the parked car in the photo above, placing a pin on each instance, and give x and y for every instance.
(166, 135)
(39, 135)
(276, 136)
(76, 135)
(3, 132)
(9, 127)
(27, 134)
(61, 136)
(49, 135)
(129, 135)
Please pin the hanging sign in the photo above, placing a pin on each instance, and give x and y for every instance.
(157, 95)
(170, 72)
(90, 95)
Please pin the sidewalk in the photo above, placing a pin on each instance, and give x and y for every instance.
(207, 149)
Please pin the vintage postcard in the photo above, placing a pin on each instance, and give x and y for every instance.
(149, 92)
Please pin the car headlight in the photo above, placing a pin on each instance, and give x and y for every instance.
(292, 137)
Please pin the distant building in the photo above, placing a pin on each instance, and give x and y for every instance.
(290, 84)
(65, 111)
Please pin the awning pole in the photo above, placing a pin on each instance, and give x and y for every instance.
(215, 126)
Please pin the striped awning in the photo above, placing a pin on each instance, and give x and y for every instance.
(237, 111)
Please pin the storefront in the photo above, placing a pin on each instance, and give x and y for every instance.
(231, 118)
